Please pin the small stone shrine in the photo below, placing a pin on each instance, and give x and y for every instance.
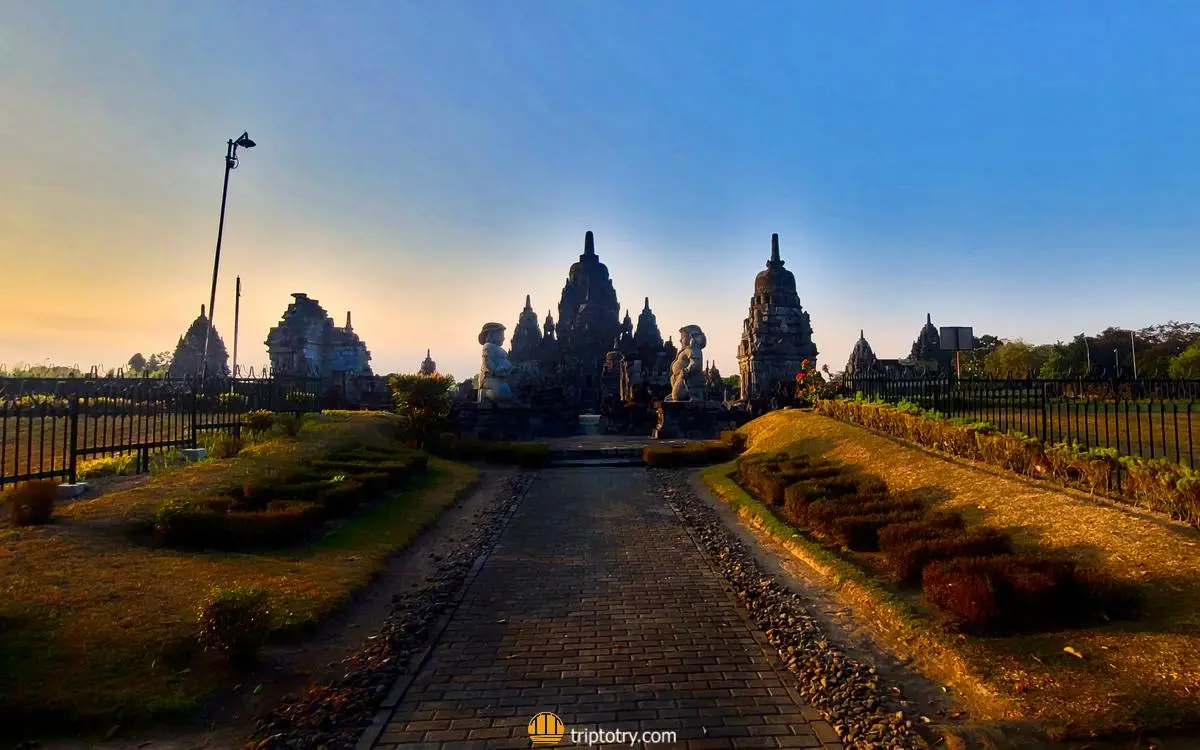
(776, 335)
(925, 358)
(189, 352)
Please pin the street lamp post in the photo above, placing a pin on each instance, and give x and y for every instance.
(231, 163)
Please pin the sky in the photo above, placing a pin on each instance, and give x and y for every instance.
(1028, 169)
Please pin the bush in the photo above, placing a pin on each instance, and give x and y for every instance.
(235, 622)
(690, 454)
(819, 514)
(861, 532)
(907, 559)
(259, 420)
(195, 526)
(1008, 594)
(108, 466)
(224, 445)
(341, 498)
(735, 439)
(288, 424)
(31, 503)
(933, 525)
(525, 455)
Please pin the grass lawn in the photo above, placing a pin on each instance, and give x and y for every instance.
(1136, 675)
(92, 624)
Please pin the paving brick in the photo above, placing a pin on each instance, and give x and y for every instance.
(597, 606)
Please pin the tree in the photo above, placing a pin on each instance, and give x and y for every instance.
(137, 364)
(423, 403)
(972, 361)
(1187, 364)
(1015, 359)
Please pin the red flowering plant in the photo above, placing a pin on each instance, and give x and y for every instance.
(813, 385)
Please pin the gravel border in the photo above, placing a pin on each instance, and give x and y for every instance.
(334, 715)
(848, 694)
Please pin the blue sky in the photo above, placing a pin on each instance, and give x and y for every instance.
(1028, 169)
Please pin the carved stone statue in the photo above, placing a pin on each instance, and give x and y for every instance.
(493, 374)
(687, 371)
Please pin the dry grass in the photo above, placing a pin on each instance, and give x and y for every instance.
(89, 620)
(1137, 675)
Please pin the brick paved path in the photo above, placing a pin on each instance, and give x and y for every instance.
(597, 606)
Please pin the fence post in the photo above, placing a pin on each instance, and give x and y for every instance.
(73, 426)
(1045, 408)
(195, 400)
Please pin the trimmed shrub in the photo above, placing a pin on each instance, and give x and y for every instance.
(933, 525)
(907, 559)
(1008, 594)
(235, 622)
(525, 455)
(199, 527)
(861, 533)
(31, 503)
(341, 498)
(690, 454)
(820, 513)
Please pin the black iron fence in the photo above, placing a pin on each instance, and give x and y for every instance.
(48, 425)
(1150, 418)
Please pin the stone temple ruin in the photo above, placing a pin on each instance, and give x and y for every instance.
(925, 358)
(308, 344)
(593, 360)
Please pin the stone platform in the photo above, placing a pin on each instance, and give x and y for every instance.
(599, 451)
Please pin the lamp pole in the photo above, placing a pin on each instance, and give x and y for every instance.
(237, 306)
(231, 162)
(1133, 351)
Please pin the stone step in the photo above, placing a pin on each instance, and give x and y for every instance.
(595, 453)
(594, 463)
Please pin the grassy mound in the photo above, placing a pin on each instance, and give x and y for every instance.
(96, 628)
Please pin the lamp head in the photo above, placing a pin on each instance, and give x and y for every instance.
(244, 141)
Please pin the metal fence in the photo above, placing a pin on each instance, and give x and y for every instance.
(48, 425)
(1150, 418)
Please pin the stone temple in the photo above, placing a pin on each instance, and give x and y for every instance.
(776, 335)
(595, 359)
(925, 358)
(308, 344)
(584, 358)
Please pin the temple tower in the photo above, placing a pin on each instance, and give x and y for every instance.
(777, 333)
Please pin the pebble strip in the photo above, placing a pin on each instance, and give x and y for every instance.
(864, 713)
(333, 715)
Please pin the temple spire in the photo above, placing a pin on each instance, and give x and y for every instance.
(861, 334)
(202, 311)
(775, 249)
(528, 306)
(589, 244)
(928, 319)
(646, 309)
(348, 320)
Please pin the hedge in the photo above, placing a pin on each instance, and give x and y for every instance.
(525, 455)
(271, 509)
(1157, 484)
(970, 575)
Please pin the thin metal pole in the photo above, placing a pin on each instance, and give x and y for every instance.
(1133, 349)
(237, 306)
(212, 298)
